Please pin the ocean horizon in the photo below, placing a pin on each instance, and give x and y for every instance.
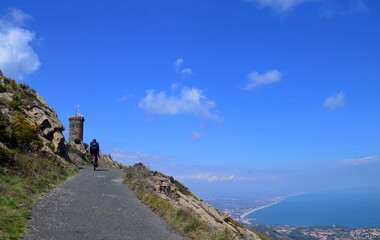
(348, 208)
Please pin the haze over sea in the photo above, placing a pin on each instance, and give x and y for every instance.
(348, 208)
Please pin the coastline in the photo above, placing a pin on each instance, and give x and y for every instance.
(276, 201)
(261, 207)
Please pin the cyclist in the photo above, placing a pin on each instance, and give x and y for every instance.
(94, 150)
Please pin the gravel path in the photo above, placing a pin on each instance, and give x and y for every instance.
(95, 205)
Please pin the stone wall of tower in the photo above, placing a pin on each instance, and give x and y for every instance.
(76, 128)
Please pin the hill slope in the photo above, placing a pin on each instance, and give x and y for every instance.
(34, 156)
(181, 208)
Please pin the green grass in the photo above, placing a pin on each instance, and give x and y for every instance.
(21, 183)
(26, 172)
(183, 220)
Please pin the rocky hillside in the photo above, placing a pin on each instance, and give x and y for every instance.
(23, 108)
(148, 184)
(34, 156)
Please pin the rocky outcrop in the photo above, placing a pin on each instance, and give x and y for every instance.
(80, 154)
(19, 99)
(106, 161)
(182, 198)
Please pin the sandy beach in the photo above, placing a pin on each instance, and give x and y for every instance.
(275, 201)
(261, 207)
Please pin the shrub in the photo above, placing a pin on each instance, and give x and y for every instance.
(16, 102)
(2, 89)
(6, 156)
(24, 86)
(4, 131)
(13, 84)
(192, 226)
(77, 141)
(6, 80)
(24, 134)
(171, 179)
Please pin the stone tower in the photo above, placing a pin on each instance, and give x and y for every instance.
(76, 127)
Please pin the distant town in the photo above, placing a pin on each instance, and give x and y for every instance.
(238, 209)
(277, 232)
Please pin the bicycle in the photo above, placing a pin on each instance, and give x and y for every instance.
(95, 161)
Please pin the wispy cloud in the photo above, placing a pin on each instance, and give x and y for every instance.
(186, 72)
(328, 8)
(213, 177)
(178, 62)
(255, 79)
(210, 177)
(183, 71)
(189, 101)
(331, 8)
(196, 136)
(359, 161)
(335, 101)
(129, 158)
(17, 57)
(126, 98)
(278, 5)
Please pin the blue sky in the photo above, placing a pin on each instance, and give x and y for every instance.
(257, 97)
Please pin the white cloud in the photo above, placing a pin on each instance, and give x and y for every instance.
(126, 98)
(178, 62)
(278, 5)
(331, 9)
(210, 177)
(256, 79)
(129, 158)
(328, 8)
(184, 72)
(335, 101)
(196, 136)
(189, 101)
(174, 86)
(359, 161)
(17, 58)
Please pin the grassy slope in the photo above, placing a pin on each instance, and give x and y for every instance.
(26, 171)
(182, 220)
(21, 184)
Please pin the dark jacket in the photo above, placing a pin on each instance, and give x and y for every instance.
(94, 148)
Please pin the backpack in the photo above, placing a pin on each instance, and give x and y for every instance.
(94, 147)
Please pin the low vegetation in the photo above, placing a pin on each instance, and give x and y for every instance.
(23, 178)
(183, 220)
(26, 171)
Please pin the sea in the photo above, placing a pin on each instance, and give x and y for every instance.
(348, 208)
